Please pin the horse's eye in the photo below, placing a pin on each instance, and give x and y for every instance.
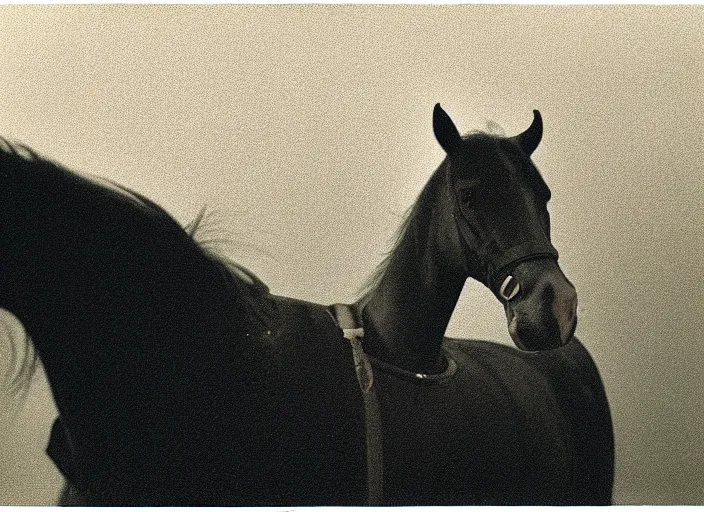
(467, 196)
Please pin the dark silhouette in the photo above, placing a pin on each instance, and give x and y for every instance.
(180, 380)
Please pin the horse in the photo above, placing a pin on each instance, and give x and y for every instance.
(180, 379)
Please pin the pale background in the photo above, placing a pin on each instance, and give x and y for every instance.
(309, 129)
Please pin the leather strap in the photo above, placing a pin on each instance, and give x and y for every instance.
(345, 317)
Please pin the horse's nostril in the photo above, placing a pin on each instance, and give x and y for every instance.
(509, 288)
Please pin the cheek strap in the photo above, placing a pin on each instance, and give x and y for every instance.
(490, 265)
(501, 264)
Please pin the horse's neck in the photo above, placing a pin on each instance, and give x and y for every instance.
(407, 313)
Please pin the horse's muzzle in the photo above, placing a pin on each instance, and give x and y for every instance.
(542, 315)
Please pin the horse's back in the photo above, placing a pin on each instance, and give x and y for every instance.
(507, 428)
(288, 431)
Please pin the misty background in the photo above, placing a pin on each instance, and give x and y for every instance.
(307, 129)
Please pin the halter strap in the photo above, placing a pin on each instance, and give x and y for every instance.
(501, 263)
(345, 318)
(493, 264)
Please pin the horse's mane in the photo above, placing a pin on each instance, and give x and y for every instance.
(415, 225)
(416, 219)
(18, 353)
(18, 149)
(19, 359)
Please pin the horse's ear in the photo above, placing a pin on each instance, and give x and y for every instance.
(529, 139)
(445, 130)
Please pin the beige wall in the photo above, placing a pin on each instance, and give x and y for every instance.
(309, 128)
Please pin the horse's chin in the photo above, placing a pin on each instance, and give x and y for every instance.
(544, 326)
(533, 337)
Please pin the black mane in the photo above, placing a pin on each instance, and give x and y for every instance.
(22, 356)
(412, 230)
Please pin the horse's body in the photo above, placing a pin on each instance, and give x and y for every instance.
(508, 428)
(499, 427)
(180, 380)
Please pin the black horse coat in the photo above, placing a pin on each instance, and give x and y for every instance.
(500, 426)
(509, 427)
(180, 380)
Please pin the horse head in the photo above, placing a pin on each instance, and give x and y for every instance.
(498, 201)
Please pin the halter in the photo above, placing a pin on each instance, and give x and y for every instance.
(493, 264)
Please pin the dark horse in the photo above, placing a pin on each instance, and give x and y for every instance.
(180, 380)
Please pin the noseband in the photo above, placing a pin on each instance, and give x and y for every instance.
(499, 264)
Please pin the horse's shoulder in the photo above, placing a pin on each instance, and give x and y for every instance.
(566, 376)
